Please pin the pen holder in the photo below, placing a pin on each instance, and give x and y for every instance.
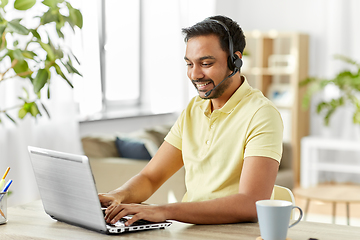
(3, 208)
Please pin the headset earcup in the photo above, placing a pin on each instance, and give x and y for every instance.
(235, 62)
(238, 62)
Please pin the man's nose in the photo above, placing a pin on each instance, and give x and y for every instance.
(196, 73)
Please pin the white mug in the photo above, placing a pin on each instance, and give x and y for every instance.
(274, 218)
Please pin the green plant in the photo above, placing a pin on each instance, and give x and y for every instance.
(349, 84)
(246, 53)
(34, 53)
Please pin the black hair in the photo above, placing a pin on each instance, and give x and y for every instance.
(211, 27)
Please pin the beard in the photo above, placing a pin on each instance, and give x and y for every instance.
(218, 92)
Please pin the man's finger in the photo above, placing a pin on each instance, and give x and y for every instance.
(132, 220)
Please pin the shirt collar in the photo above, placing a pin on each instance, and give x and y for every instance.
(233, 101)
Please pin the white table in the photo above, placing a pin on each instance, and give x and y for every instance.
(310, 164)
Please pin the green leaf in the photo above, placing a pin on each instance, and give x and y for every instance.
(346, 59)
(328, 115)
(15, 26)
(3, 3)
(2, 28)
(72, 69)
(24, 4)
(60, 72)
(47, 112)
(29, 54)
(48, 49)
(21, 67)
(40, 80)
(17, 54)
(34, 110)
(26, 93)
(72, 54)
(75, 17)
(22, 113)
(52, 3)
(58, 29)
(50, 16)
(10, 118)
(35, 34)
(356, 117)
(78, 17)
(320, 107)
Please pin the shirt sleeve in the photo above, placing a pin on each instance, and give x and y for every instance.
(174, 137)
(265, 133)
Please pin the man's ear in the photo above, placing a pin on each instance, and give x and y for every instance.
(238, 53)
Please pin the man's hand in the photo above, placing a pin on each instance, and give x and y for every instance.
(107, 199)
(151, 213)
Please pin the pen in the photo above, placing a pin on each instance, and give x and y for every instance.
(5, 189)
(2, 181)
(7, 186)
(2, 214)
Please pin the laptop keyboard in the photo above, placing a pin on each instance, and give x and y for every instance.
(122, 221)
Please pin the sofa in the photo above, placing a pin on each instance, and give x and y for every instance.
(112, 167)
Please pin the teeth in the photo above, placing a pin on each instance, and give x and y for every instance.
(204, 84)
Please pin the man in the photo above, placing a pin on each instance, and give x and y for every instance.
(229, 139)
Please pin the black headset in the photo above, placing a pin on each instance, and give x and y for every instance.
(234, 62)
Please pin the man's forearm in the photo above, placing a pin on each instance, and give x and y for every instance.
(138, 189)
(231, 209)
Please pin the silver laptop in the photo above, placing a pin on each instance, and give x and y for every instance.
(69, 194)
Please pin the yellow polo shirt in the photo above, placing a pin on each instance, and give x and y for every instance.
(215, 144)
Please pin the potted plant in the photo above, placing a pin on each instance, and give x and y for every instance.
(34, 53)
(349, 84)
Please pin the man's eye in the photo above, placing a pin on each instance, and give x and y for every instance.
(188, 64)
(207, 64)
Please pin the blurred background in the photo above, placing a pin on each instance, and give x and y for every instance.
(134, 76)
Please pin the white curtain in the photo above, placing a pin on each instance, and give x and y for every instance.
(60, 132)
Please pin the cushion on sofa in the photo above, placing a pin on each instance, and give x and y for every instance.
(129, 148)
(151, 137)
(105, 146)
(99, 147)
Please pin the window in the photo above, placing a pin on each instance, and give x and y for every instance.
(132, 59)
(120, 52)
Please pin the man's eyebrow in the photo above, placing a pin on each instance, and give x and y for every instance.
(202, 58)
(207, 57)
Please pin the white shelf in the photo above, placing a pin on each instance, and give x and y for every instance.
(333, 167)
(310, 165)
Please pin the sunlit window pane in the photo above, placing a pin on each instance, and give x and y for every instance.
(122, 78)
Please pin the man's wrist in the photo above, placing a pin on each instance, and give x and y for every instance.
(169, 210)
(119, 195)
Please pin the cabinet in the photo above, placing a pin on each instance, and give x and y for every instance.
(311, 165)
(275, 62)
